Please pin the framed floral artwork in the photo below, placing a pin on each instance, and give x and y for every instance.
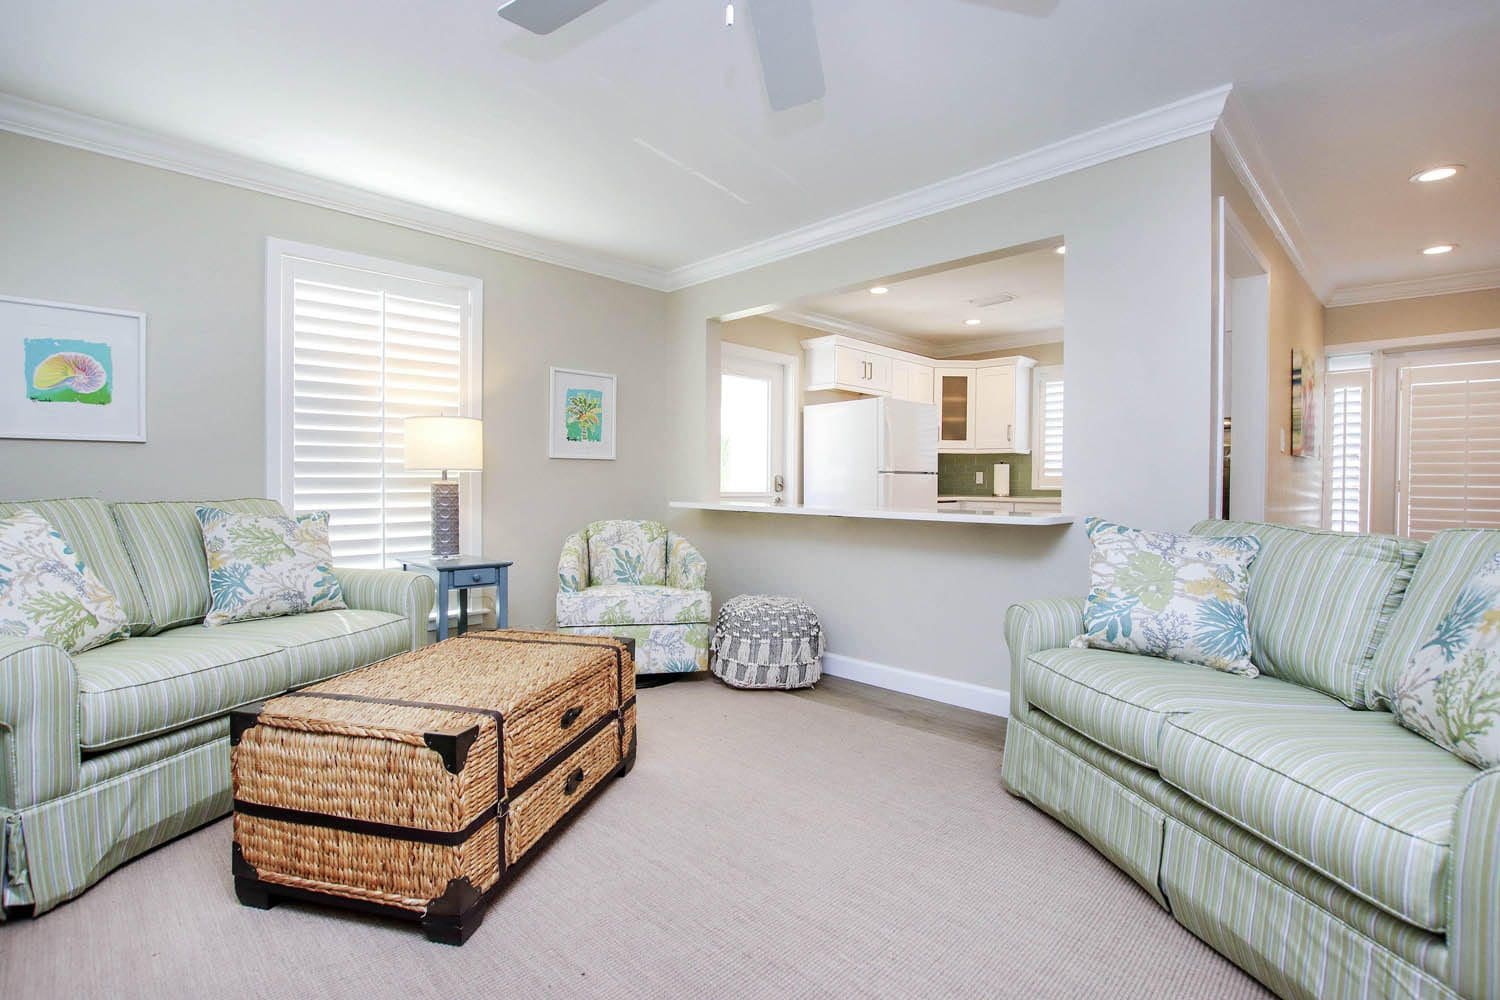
(70, 372)
(581, 420)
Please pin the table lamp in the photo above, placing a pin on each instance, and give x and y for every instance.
(448, 444)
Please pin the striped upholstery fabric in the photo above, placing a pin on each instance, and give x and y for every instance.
(410, 595)
(86, 525)
(1294, 947)
(1475, 916)
(166, 548)
(1351, 794)
(1290, 876)
(1032, 626)
(122, 760)
(1451, 557)
(38, 722)
(319, 645)
(1321, 602)
(140, 687)
(1123, 700)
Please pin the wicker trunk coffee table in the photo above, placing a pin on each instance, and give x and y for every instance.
(416, 787)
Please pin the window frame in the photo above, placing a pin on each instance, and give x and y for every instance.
(1364, 380)
(1039, 375)
(791, 404)
(282, 259)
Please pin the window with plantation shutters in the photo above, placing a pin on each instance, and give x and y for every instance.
(1047, 430)
(1346, 468)
(1448, 472)
(359, 346)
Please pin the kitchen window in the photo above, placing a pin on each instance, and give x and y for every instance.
(355, 345)
(1047, 429)
(757, 418)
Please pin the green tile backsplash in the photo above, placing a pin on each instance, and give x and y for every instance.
(956, 475)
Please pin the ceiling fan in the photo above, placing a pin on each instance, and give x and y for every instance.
(785, 39)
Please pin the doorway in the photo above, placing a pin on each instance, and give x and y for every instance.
(1241, 416)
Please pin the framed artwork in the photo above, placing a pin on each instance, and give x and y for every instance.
(1305, 391)
(581, 419)
(71, 373)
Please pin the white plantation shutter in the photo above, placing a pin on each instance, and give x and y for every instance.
(1047, 446)
(1347, 461)
(362, 349)
(1449, 469)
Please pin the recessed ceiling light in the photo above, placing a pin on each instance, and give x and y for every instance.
(1440, 248)
(879, 290)
(1061, 249)
(1441, 173)
(971, 322)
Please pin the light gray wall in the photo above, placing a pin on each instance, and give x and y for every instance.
(931, 598)
(79, 227)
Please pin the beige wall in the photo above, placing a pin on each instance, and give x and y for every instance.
(1293, 485)
(1423, 317)
(931, 597)
(79, 227)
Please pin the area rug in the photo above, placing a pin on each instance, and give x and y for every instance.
(765, 846)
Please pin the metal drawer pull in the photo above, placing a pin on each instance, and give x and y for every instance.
(571, 716)
(574, 780)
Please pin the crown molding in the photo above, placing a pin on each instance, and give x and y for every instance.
(850, 328)
(69, 128)
(1413, 288)
(1190, 116)
(1241, 146)
(999, 342)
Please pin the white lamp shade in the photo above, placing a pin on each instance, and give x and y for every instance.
(440, 443)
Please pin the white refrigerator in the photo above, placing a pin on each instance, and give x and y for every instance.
(870, 453)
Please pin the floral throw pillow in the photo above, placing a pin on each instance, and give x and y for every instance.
(1179, 597)
(633, 553)
(266, 565)
(1449, 691)
(46, 592)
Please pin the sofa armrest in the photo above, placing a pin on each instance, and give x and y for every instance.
(686, 568)
(1474, 895)
(1031, 627)
(573, 564)
(410, 595)
(39, 756)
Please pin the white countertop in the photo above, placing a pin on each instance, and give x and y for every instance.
(954, 517)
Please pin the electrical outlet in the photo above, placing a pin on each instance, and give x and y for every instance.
(979, 478)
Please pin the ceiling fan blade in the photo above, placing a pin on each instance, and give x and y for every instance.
(542, 17)
(787, 43)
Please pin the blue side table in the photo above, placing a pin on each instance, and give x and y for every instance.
(461, 572)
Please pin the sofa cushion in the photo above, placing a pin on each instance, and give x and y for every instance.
(152, 684)
(1321, 602)
(1450, 559)
(166, 549)
(324, 644)
(1123, 700)
(89, 530)
(623, 605)
(627, 552)
(1350, 794)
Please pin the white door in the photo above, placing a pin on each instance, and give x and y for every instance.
(995, 408)
(850, 367)
(752, 428)
(879, 368)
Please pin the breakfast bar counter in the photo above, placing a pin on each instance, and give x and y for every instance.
(933, 516)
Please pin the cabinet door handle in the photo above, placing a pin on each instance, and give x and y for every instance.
(1008, 429)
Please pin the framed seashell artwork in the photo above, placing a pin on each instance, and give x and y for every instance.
(71, 372)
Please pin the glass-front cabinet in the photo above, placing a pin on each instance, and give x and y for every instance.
(955, 392)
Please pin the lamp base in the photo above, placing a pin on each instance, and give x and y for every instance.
(445, 517)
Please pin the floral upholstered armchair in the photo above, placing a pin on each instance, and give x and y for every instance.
(637, 579)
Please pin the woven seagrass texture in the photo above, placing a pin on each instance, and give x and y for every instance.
(537, 810)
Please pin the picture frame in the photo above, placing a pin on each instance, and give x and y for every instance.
(71, 372)
(582, 418)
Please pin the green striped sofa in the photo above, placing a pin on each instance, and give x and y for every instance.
(1287, 820)
(111, 752)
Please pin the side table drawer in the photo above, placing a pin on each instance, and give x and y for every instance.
(476, 577)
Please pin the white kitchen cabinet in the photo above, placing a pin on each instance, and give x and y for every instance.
(837, 363)
(954, 389)
(911, 381)
(1002, 406)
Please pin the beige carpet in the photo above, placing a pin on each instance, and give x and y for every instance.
(764, 846)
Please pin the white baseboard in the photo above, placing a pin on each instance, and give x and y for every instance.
(990, 701)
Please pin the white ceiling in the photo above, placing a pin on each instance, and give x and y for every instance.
(930, 309)
(640, 130)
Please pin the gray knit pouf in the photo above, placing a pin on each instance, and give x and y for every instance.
(764, 641)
